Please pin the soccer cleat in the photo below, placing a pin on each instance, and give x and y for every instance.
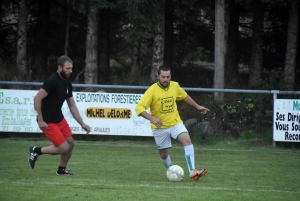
(32, 157)
(64, 172)
(197, 174)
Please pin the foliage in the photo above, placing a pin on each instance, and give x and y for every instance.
(264, 137)
(81, 5)
(7, 71)
(193, 38)
(250, 109)
(273, 80)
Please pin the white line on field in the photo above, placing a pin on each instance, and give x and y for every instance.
(154, 186)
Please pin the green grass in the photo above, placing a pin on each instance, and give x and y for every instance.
(131, 170)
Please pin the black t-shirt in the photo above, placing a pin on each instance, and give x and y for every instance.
(58, 91)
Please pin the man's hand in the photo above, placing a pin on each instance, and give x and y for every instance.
(157, 122)
(86, 128)
(202, 109)
(42, 125)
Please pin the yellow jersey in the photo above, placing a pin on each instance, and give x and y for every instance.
(162, 103)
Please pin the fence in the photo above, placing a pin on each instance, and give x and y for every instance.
(279, 124)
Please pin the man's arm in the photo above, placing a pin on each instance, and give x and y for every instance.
(37, 102)
(143, 105)
(156, 121)
(75, 113)
(191, 102)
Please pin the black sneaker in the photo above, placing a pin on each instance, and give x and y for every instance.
(64, 172)
(32, 157)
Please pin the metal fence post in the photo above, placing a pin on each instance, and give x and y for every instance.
(274, 92)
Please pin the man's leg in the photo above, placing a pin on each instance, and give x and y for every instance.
(189, 154)
(65, 157)
(35, 152)
(55, 150)
(60, 145)
(163, 143)
(185, 139)
(165, 157)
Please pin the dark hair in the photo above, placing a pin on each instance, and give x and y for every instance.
(62, 60)
(163, 68)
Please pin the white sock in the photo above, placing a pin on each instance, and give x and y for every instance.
(167, 162)
(190, 158)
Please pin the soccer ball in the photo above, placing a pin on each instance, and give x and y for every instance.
(175, 173)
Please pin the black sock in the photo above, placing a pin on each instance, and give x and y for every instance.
(61, 169)
(38, 150)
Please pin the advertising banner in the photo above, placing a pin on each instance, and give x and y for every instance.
(286, 120)
(105, 113)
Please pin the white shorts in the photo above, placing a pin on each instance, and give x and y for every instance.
(162, 136)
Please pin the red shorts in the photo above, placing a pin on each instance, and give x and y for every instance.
(57, 133)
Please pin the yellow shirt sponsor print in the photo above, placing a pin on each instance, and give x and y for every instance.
(167, 104)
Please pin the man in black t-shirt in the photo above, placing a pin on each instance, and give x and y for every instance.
(48, 103)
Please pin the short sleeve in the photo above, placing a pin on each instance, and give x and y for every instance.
(48, 85)
(181, 93)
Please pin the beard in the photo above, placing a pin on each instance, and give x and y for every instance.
(164, 84)
(64, 75)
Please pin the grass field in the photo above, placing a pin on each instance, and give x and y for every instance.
(131, 170)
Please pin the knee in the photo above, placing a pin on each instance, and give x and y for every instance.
(71, 144)
(63, 149)
(185, 139)
(163, 154)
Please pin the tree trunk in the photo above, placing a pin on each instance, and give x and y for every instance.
(104, 31)
(169, 30)
(1, 11)
(42, 32)
(231, 63)
(135, 61)
(226, 24)
(219, 49)
(91, 59)
(22, 40)
(291, 49)
(67, 27)
(158, 43)
(256, 62)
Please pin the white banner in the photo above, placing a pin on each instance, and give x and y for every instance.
(106, 113)
(286, 120)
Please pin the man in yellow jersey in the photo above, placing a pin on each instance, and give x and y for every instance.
(165, 121)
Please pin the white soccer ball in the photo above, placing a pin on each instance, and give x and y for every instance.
(175, 173)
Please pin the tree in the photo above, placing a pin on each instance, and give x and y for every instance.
(169, 31)
(232, 55)
(69, 3)
(135, 35)
(135, 58)
(219, 49)
(158, 41)
(41, 46)
(256, 61)
(104, 45)
(91, 65)
(22, 40)
(92, 36)
(292, 43)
